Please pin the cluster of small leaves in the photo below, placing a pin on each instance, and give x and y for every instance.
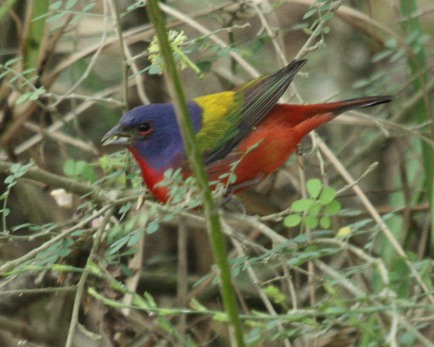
(309, 253)
(182, 191)
(144, 303)
(182, 50)
(32, 95)
(52, 254)
(266, 331)
(17, 170)
(129, 233)
(296, 250)
(394, 51)
(324, 11)
(275, 294)
(118, 169)
(44, 228)
(315, 210)
(380, 80)
(26, 79)
(180, 54)
(110, 163)
(80, 169)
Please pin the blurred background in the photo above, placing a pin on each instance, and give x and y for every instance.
(69, 70)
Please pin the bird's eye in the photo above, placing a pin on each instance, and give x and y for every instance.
(145, 128)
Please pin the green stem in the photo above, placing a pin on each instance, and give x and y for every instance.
(36, 32)
(197, 166)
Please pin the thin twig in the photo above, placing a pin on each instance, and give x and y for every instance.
(182, 275)
(254, 280)
(375, 215)
(83, 278)
(34, 252)
(92, 61)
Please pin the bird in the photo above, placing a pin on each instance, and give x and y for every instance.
(245, 131)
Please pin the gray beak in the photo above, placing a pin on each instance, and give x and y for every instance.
(116, 136)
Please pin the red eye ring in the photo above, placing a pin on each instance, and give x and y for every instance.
(145, 128)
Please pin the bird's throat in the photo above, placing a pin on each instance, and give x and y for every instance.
(151, 177)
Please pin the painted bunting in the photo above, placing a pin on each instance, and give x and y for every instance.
(245, 126)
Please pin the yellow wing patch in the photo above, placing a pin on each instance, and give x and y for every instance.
(219, 119)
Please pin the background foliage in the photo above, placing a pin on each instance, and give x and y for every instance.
(333, 250)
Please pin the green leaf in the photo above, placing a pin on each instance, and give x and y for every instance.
(9, 179)
(14, 168)
(381, 55)
(29, 70)
(56, 5)
(221, 317)
(152, 227)
(130, 225)
(292, 220)
(275, 293)
(168, 173)
(314, 210)
(310, 13)
(232, 178)
(135, 237)
(70, 4)
(407, 339)
(12, 61)
(302, 205)
(311, 222)
(397, 55)
(69, 167)
(34, 96)
(155, 70)
(88, 7)
(204, 65)
(3, 74)
(63, 252)
(332, 208)
(89, 174)
(21, 170)
(304, 257)
(327, 195)
(125, 208)
(328, 16)
(314, 187)
(336, 310)
(23, 98)
(116, 246)
(325, 222)
(56, 17)
(80, 169)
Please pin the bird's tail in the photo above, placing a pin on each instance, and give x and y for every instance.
(346, 105)
(338, 107)
(305, 118)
